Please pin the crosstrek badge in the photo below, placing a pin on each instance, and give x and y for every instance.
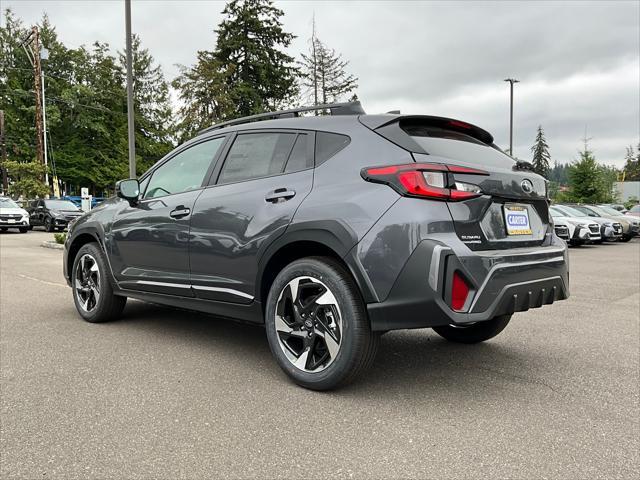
(516, 218)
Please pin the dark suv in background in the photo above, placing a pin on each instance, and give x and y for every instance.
(330, 230)
(52, 214)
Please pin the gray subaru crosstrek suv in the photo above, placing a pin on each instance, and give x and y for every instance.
(330, 230)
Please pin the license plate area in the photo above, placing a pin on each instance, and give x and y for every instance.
(516, 219)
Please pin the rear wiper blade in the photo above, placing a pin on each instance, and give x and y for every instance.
(522, 165)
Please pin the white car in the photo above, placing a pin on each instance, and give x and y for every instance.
(579, 230)
(12, 216)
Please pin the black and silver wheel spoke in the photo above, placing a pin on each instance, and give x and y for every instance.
(308, 324)
(87, 283)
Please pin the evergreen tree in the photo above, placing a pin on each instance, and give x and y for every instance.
(589, 181)
(632, 164)
(203, 91)
(261, 76)
(323, 74)
(541, 156)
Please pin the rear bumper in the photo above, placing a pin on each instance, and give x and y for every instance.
(502, 282)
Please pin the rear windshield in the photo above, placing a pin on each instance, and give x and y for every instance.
(457, 146)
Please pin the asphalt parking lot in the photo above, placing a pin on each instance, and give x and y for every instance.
(165, 393)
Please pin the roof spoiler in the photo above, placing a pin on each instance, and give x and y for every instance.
(390, 127)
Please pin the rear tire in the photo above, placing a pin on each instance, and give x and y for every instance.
(317, 324)
(92, 291)
(626, 239)
(476, 333)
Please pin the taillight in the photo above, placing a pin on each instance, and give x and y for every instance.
(426, 180)
(459, 292)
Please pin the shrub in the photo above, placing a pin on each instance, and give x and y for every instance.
(60, 237)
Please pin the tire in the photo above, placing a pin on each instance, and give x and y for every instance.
(100, 307)
(48, 225)
(3, 229)
(476, 333)
(23, 229)
(334, 332)
(626, 238)
(30, 227)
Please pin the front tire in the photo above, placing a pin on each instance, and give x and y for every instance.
(92, 291)
(317, 325)
(48, 225)
(475, 333)
(23, 229)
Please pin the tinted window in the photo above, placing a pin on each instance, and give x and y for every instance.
(143, 185)
(60, 205)
(183, 172)
(299, 159)
(328, 144)
(458, 146)
(255, 155)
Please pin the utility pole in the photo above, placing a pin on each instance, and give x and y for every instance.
(3, 155)
(130, 117)
(33, 53)
(511, 82)
(43, 54)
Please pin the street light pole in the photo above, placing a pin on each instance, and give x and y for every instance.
(130, 117)
(511, 82)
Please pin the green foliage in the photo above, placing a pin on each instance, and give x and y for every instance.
(632, 164)
(27, 179)
(60, 237)
(541, 156)
(204, 94)
(589, 181)
(559, 173)
(259, 75)
(86, 107)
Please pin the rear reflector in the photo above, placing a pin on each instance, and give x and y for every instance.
(459, 292)
(426, 180)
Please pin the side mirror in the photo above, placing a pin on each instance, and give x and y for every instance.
(129, 190)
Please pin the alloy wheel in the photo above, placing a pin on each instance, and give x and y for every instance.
(308, 324)
(87, 283)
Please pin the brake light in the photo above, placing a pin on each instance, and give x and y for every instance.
(426, 180)
(459, 292)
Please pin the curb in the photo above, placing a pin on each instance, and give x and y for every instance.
(52, 244)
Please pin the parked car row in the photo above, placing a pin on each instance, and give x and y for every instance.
(52, 214)
(581, 224)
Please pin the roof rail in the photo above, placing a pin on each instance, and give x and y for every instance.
(347, 108)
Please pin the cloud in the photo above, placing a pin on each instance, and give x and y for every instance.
(578, 62)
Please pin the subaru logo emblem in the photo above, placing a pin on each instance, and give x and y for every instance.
(527, 186)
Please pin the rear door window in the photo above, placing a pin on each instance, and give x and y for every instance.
(300, 159)
(255, 155)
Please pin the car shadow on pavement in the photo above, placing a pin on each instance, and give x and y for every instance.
(407, 360)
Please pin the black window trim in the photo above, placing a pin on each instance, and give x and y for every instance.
(215, 174)
(212, 164)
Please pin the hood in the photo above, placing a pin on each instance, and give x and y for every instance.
(602, 220)
(574, 220)
(13, 211)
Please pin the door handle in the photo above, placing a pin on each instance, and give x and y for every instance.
(280, 195)
(179, 212)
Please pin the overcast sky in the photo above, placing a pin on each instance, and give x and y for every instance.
(578, 62)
